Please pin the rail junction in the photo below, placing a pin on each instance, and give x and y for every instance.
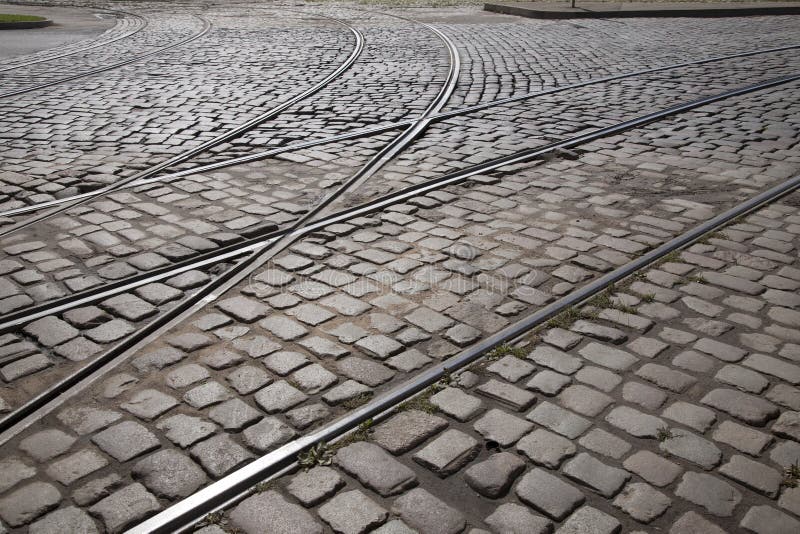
(334, 267)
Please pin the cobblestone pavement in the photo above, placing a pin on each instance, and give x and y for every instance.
(669, 404)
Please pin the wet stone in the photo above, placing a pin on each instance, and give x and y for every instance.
(425, 513)
(315, 485)
(549, 494)
(406, 430)
(126, 440)
(352, 512)
(125, 507)
(269, 512)
(169, 474)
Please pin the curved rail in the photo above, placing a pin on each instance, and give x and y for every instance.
(380, 129)
(227, 490)
(230, 134)
(145, 23)
(51, 398)
(206, 28)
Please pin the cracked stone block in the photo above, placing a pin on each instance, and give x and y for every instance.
(28, 502)
(149, 404)
(448, 453)
(494, 476)
(169, 474)
(653, 468)
(268, 434)
(220, 455)
(76, 466)
(69, 519)
(315, 485)
(126, 440)
(126, 507)
(559, 420)
(505, 429)
(406, 430)
(375, 468)
(548, 494)
(602, 478)
(352, 512)
(642, 502)
(554, 359)
(184, 430)
(788, 425)
(47, 444)
(425, 513)
(665, 377)
(717, 497)
(603, 333)
(512, 518)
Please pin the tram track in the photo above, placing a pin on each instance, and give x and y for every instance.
(263, 250)
(206, 27)
(434, 117)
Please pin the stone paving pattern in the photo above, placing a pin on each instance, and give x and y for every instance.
(354, 310)
(670, 406)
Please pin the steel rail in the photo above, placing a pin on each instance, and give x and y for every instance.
(49, 399)
(385, 128)
(206, 28)
(14, 320)
(229, 489)
(91, 47)
(230, 134)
